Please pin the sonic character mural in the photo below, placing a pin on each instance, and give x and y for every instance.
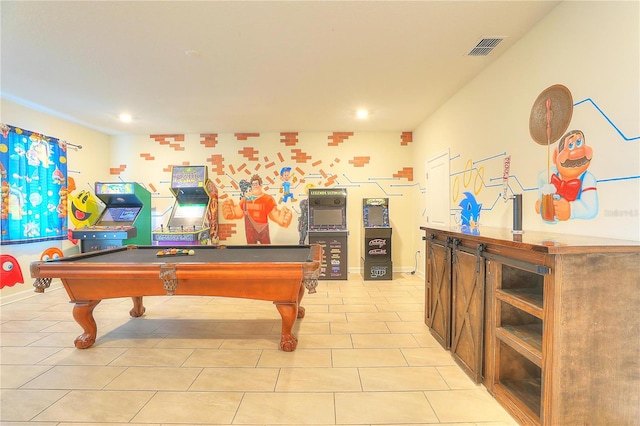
(257, 208)
(470, 214)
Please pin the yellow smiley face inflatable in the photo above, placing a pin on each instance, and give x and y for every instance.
(83, 209)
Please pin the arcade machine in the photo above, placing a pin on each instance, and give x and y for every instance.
(328, 228)
(376, 246)
(126, 218)
(194, 216)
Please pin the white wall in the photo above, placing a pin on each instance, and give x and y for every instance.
(85, 166)
(592, 48)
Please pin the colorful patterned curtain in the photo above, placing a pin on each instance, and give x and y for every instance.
(33, 174)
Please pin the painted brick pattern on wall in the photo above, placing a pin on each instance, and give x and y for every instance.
(406, 138)
(289, 138)
(338, 137)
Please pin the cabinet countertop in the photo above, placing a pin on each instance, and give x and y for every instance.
(545, 242)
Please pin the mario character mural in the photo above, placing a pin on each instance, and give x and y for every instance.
(257, 207)
(566, 190)
(572, 185)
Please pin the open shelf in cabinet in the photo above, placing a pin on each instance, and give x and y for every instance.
(520, 380)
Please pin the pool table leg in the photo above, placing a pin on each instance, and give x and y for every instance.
(288, 312)
(83, 314)
(138, 309)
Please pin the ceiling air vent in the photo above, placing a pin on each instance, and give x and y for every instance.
(485, 46)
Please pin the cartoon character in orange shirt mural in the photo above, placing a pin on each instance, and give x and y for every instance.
(257, 208)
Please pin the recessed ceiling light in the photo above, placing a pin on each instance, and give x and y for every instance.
(362, 114)
(125, 118)
(192, 53)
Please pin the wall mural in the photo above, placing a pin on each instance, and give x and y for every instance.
(264, 189)
(566, 188)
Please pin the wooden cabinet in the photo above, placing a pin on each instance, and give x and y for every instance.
(454, 299)
(561, 321)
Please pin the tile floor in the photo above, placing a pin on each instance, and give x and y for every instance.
(364, 357)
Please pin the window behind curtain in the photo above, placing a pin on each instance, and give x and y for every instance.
(33, 174)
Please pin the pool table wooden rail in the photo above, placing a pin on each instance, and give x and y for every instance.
(87, 283)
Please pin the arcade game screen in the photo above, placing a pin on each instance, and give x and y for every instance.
(188, 215)
(376, 216)
(119, 215)
(328, 217)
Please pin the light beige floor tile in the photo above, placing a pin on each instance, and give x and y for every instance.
(186, 342)
(467, 406)
(383, 407)
(264, 341)
(368, 358)
(23, 405)
(359, 327)
(401, 379)
(25, 355)
(158, 357)
(95, 406)
(456, 378)
(190, 407)
(115, 340)
(223, 358)
(408, 308)
(60, 339)
(318, 380)
(298, 358)
(15, 376)
(91, 356)
(32, 326)
(370, 341)
(75, 377)
(21, 339)
(325, 341)
(372, 317)
(287, 408)
(427, 340)
(428, 356)
(404, 326)
(155, 378)
(236, 379)
(353, 308)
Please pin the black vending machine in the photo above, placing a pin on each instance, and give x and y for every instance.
(375, 257)
(328, 228)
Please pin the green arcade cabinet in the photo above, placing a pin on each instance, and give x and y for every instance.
(126, 218)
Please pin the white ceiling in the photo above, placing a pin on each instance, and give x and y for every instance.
(260, 66)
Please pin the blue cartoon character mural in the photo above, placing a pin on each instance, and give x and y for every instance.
(286, 178)
(469, 214)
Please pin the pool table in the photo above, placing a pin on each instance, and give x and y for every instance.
(276, 273)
